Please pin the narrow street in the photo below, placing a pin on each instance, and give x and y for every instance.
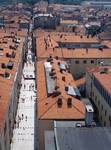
(23, 134)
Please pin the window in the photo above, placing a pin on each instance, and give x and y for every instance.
(84, 61)
(98, 103)
(101, 118)
(7, 55)
(105, 112)
(101, 107)
(110, 120)
(77, 61)
(104, 123)
(92, 61)
(90, 94)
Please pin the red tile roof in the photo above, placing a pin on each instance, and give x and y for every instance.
(47, 105)
(6, 84)
(47, 44)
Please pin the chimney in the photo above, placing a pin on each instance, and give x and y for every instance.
(3, 65)
(52, 69)
(56, 93)
(56, 57)
(56, 87)
(66, 88)
(87, 36)
(63, 78)
(60, 70)
(87, 50)
(69, 102)
(81, 36)
(6, 75)
(59, 102)
(100, 48)
(59, 63)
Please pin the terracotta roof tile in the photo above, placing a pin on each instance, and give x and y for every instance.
(47, 105)
(47, 44)
(6, 85)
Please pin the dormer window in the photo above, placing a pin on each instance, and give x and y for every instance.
(3, 66)
(10, 65)
(7, 75)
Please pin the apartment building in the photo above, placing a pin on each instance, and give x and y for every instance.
(15, 18)
(98, 89)
(68, 26)
(79, 51)
(47, 21)
(58, 97)
(12, 50)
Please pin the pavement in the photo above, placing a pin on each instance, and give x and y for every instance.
(23, 133)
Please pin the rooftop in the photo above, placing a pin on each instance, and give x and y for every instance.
(69, 45)
(10, 55)
(83, 138)
(61, 99)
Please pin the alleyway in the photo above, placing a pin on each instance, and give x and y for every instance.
(23, 134)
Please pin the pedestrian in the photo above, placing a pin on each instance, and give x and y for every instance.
(17, 124)
(25, 118)
(22, 116)
(24, 86)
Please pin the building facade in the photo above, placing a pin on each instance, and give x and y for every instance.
(99, 91)
(46, 21)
